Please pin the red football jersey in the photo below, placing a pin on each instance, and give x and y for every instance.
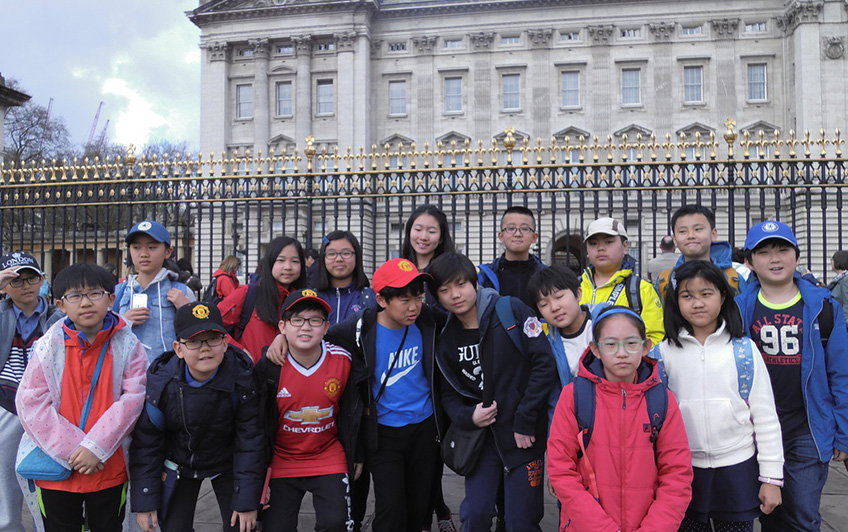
(307, 442)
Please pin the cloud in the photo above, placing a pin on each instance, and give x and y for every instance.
(136, 119)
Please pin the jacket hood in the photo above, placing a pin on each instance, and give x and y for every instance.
(220, 272)
(484, 297)
(647, 375)
(112, 322)
(619, 276)
(721, 254)
(164, 273)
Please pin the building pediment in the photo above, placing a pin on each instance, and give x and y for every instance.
(394, 139)
(234, 9)
(632, 130)
(573, 133)
(760, 125)
(280, 141)
(517, 135)
(451, 136)
(695, 127)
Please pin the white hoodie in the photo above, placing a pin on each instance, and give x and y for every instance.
(720, 426)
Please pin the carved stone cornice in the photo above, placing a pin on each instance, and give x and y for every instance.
(261, 48)
(424, 44)
(600, 34)
(834, 47)
(217, 51)
(377, 48)
(725, 28)
(302, 44)
(345, 41)
(799, 12)
(662, 30)
(482, 40)
(540, 37)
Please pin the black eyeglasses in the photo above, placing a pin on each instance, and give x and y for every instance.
(18, 282)
(333, 255)
(94, 295)
(194, 345)
(314, 321)
(511, 229)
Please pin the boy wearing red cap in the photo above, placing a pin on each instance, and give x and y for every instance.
(313, 416)
(396, 341)
(201, 420)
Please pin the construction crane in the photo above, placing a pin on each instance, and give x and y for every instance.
(102, 138)
(94, 125)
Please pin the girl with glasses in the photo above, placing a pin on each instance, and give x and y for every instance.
(341, 278)
(612, 463)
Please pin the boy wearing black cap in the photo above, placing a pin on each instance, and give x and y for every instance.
(314, 415)
(150, 299)
(24, 316)
(201, 420)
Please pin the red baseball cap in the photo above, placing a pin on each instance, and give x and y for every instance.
(396, 273)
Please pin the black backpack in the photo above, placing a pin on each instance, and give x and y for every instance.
(210, 295)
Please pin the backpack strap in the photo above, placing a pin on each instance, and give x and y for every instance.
(247, 308)
(486, 272)
(732, 277)
(503, 307)
(657, 401)
(157, 417)
(634, 292)
(584, 409)
(744, 357)
(826, 322)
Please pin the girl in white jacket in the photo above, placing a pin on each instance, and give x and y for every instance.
(725, 396)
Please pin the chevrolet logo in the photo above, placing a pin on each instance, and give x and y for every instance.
(309, 415)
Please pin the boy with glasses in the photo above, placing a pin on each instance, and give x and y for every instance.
(24, 316)
(313, 416)
(78, 400)
(509, 273)
(201, 420)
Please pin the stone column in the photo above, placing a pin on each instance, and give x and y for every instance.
(347, 89)
(362, 101)
(262, 111)
(801, 24)
(215, 107)
(303, 90)
(483, 109)
(727, 92)
(539, 85)
(425, 88)
(604, 86)
(664, 69)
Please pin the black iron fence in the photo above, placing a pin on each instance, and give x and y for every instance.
(235, 204)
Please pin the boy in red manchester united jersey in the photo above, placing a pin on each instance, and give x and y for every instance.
(310, 405)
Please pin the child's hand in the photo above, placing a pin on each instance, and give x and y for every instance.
(6, 276)
(483, 417)
(769, 497)
(137, 316)
(85, 461)
(550, 487)
(357, 471)
(148, 521)
(276, 352)
(247, 521)
(177, 297)
(523, 441)
(840, 456)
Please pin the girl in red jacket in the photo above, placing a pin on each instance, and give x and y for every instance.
(624, 479)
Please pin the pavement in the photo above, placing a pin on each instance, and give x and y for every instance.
(834, 506)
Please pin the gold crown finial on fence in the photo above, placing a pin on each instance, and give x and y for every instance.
(509, 143)
(730, 135)
(309, 151)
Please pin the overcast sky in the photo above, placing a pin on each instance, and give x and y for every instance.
(141, 58)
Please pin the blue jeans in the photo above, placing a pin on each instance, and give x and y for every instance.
(523, 493)
(804, 476)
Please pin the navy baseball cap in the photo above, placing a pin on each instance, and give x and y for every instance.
(20, 260)
(197, 317)
(770, 229)
(154, 230)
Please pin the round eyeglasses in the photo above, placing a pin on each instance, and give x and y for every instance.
(94, 295)
(630, 345)
(194, 345)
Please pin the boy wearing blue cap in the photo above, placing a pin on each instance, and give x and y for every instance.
(149, 299)
(792, 323)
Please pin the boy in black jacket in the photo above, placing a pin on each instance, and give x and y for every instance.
(481, 355)
(201, 420)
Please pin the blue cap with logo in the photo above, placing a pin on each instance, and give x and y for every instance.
(770, 229)
(154, 230)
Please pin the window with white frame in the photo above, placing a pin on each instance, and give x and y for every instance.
(631, 33)
(510, 40)
(285, 99)
(453, 95)
(511, 91)
(244, 101)
(757, 82)
(569, 36)
(693, 84)
(325, 97)
(631, 86)
(570, 89)
(453, 43)
(692, 30)
(755, 27)
(397, 97)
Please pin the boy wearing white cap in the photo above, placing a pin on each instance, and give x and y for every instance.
(610, 278)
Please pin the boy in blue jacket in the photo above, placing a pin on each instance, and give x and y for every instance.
(789, 318)
(521, 372)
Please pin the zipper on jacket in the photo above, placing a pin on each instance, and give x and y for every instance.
(185, 426)
(338, 304)
(809, 376)
(623, 399)
(622, 457)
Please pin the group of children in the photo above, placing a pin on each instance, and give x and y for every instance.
(702, 410)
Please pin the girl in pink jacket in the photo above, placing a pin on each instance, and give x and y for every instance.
(629, 477)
